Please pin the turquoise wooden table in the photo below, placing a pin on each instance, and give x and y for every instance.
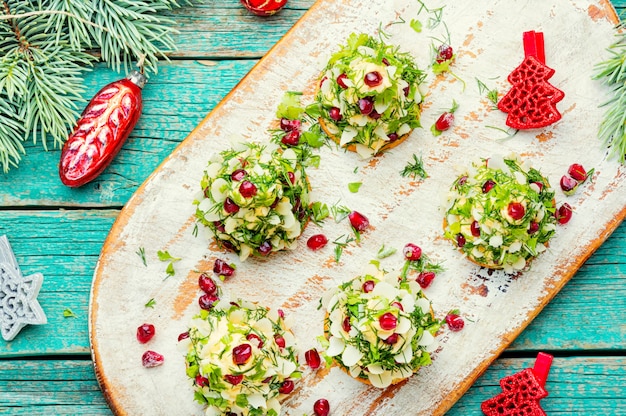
(59, 232)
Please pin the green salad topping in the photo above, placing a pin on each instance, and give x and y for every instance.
(369, 95)
(500, 213)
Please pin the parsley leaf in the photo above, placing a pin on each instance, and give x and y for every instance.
(354, 187)
(67, 313)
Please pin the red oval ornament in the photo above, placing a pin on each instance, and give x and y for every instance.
(264, 7)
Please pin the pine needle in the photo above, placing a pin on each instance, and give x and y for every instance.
(612, 72)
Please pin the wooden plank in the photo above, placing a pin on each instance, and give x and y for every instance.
(576, 386)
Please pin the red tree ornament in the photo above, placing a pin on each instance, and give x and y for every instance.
(531, 101)
(521, 391)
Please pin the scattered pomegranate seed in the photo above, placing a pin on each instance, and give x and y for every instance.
(340, 81)
(444, 53)
(281, 313)
(145, 333)
(393, 137)
(577, 172)
(255, 339)
(317, 241)
(397, 305)
(207, 284)
(366, 105)
(445, 121)
(289, 125)
(247, 189)
(313, 359)
(151, 359)
(460, 240)
(373, 79)
(488, 185)
(238, 175)
(292, 177)
(368, 286)
(533, 227)
(321, 407)
(374, 114)
(516, 210)
(242, 353)
(292, 138)
(568, 184)
(388, 321)
(230, 207)
(358, 221)
(234, 379)
(286, 387)
(412, 252)
(455, 322)
(564, 213)
(424, 279)
(221, 268)
(475, 229)
(280, 341)
(201, 381)
(183, 335)
(391, 339)
(345, 325)
(265, 248)
(219, 226)
(335, 114)
(207, 301)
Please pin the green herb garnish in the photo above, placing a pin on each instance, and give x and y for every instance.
(415, 169)
(166, 256)
(142, 254)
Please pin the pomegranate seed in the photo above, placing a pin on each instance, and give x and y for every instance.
(564, 213)
(358, 221)
(230, 207)
(207, 284)
(234, 379)
(255, 339)
(289, 125)
(539, 185)
(406, 90)
(488, 185)
(568, 184)
(577, 172)
(242, 353)
(317, 241)
(202, 381)
(286, 387)
(455, 322)
(445, 121)
(219, 226)
(345, 325)
(265, 248)
(398, 305)
(221, 268)
(292, 177)
(366, 105)
(388, 321)
(207, 301)
(247, 189)
(183, 335)
(321, 407)
(281, 313)
(475, 229)
(280, 341)
(533, 227)
(145, 333)
(368, 286)
(335, 114)
(460, 240)
(393, 137)
(151, 359)
(238, 175)
(386, 62)
(312, 358)
(340, 81)
(373, 79)
(391, 339)
(516, 210)
(292, 138)
(374, 115)
(444, 53)
(424, 279)
(412, 252)
(461, 181)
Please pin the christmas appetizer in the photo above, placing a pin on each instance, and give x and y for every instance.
(254, 199)
(241, 358)
(369, 96)
(500, 213)
(380, 327)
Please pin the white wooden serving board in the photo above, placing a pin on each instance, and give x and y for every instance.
(487, 36)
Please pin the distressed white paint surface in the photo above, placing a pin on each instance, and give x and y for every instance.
(487, 36)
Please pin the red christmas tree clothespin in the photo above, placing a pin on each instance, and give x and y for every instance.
(531, 101)
(521, 392)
